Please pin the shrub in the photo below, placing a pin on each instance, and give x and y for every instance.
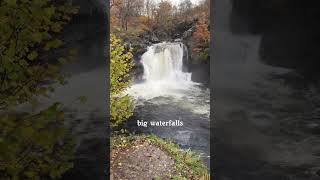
(35, 146)
(121, 106)
(29, 30)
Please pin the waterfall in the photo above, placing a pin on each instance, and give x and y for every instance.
(167, 82)
(164, 74)
(163, 63)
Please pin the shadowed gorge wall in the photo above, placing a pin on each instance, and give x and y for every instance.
(265, 90)
(88, 33)
(91, 6)
(289, 29)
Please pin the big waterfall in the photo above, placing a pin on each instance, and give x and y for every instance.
(163, 65)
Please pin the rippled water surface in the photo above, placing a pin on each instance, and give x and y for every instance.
(167, 93)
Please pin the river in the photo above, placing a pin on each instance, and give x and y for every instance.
(266, 118)
(168, 93)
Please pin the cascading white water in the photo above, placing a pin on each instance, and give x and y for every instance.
(163, 72)
(164, 77)
(163, 63)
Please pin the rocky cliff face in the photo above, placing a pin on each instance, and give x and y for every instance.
(289, 30)
(89, 7)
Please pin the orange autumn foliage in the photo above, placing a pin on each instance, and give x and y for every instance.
(201, 36)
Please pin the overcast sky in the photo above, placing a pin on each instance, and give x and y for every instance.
(176, 2)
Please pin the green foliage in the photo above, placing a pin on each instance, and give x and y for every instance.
(32, 146)
(29, 28)
(186, 161)
(35, 146)
(205, 54)
(121, 106)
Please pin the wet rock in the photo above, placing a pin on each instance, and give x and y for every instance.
(289, 29)
(154, 39)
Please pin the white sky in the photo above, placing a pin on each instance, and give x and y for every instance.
(177, 2)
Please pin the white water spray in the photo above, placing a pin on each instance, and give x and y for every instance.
(164, 77)
(163, 63)
(163, 72)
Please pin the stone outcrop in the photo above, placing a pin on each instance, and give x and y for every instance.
(289, 30)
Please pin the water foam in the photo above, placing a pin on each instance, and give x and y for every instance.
(164, 77)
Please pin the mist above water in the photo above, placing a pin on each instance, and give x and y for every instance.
(164, 80)
(163, 72)
(164, 62)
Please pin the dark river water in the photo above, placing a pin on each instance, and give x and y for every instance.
(195, 132)
(266, 119)
(168, 93)
(87, 122)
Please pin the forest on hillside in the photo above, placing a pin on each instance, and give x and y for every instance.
(142, 22)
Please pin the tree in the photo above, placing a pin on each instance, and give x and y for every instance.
(121, 106)
(163, 19)
(115, 13)
(115, 3)
(185, 8)
(202, 11)
(28, 32)
(201, 36)
(185, 5)
(35, 146)
(150, 9)
(164, 12)
(32, 146)
(202, 40)
(124, 10)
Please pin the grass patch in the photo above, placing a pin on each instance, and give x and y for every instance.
(188, 164)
